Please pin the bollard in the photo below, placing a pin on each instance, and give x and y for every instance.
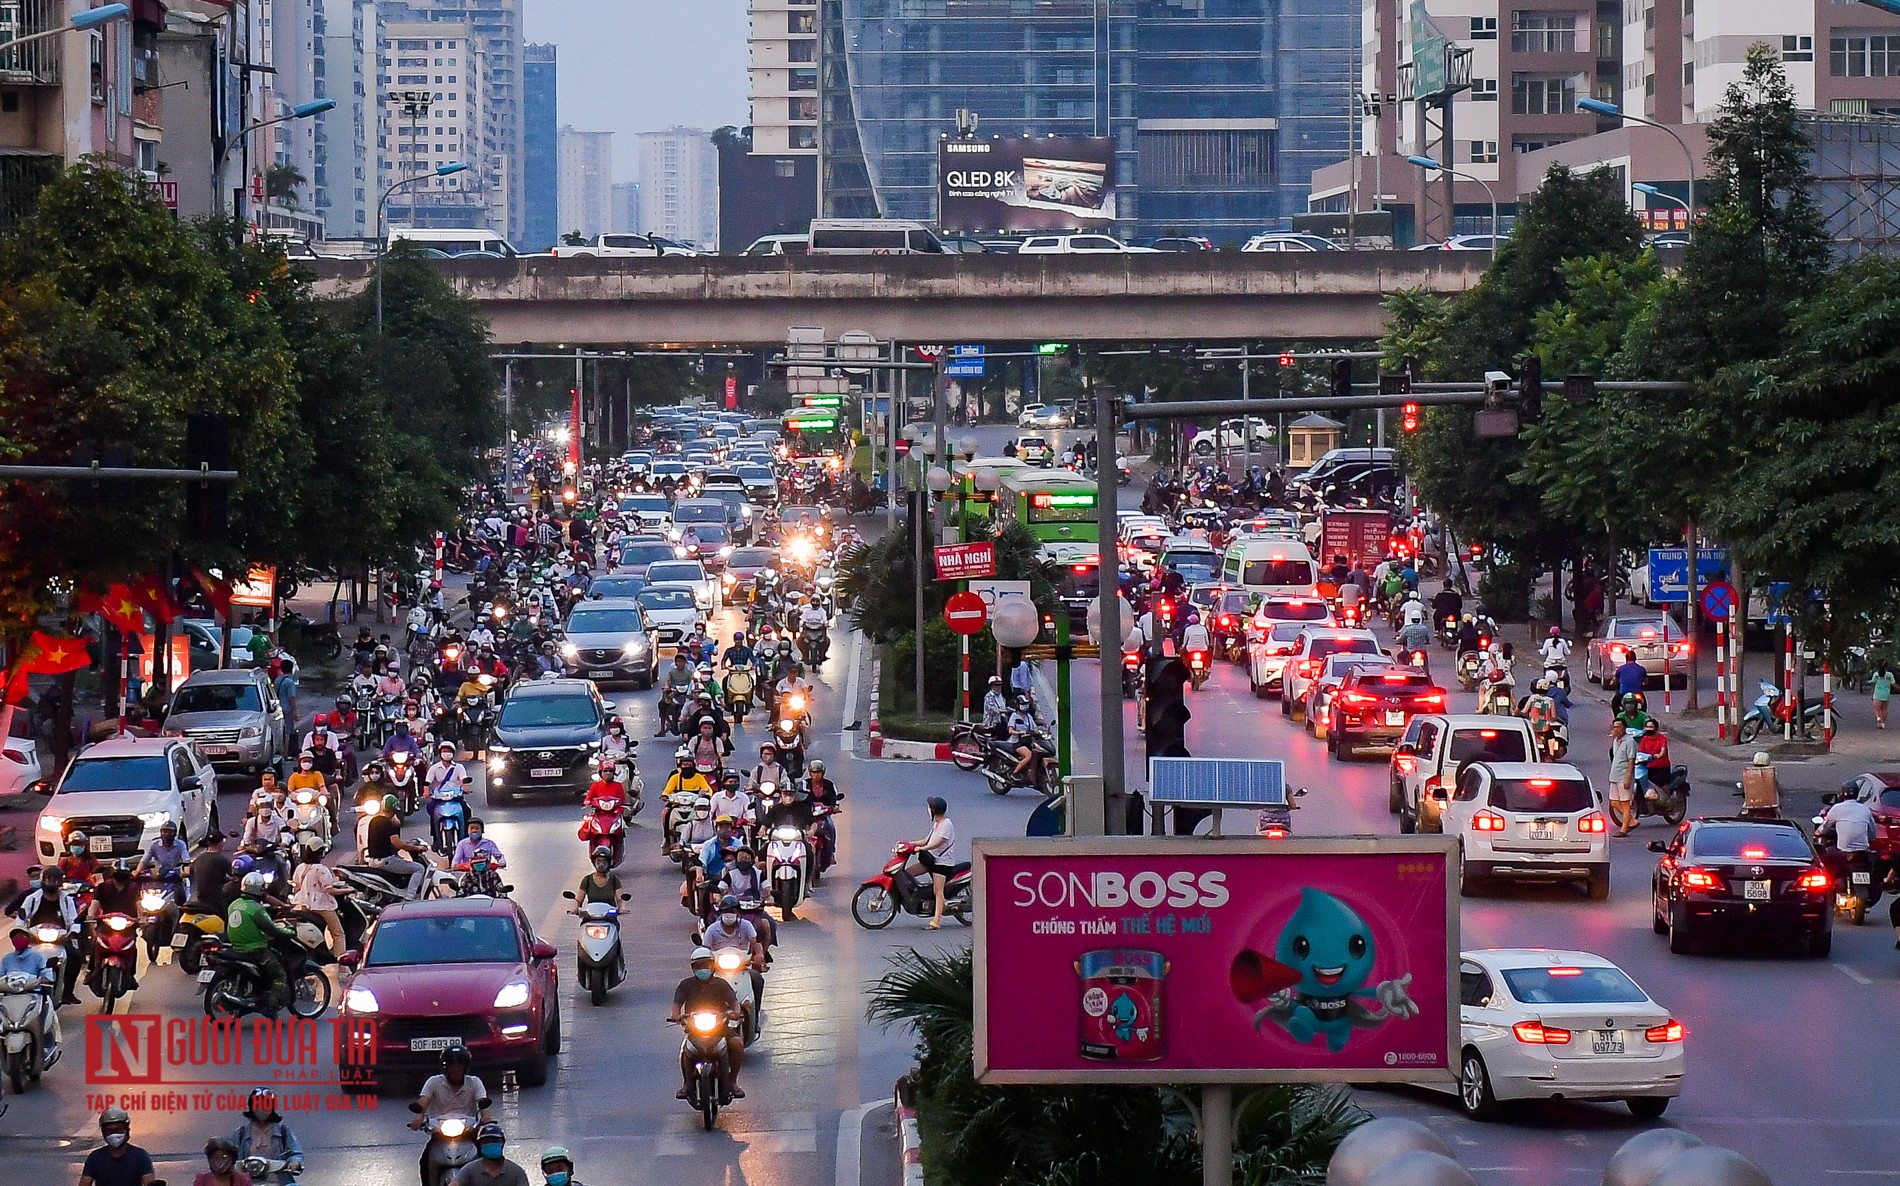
(1709, 1166)
(1421, 1167)
(1368, 1148)
(1638, 1160)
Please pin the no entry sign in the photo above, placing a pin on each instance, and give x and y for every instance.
(965, 613)
(957, 562)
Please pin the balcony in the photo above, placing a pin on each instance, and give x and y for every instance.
(36, 64)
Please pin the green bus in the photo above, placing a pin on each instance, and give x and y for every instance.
(977, 502)
(1057, 506)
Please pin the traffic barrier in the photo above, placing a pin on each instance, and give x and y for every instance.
(910, 1141)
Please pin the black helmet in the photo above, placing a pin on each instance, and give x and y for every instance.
(454, 1054)
(937, 805)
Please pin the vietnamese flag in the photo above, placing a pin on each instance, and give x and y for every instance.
(120, 608)
(47, 655)
(16, 687)
(151, 594)
(216, 590)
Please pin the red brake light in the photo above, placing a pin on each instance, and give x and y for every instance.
(1536, 1033)
(1647, 634)
(1359, 698)
(1679, 648)
(1394, 677)
(1669, 1031)
(1564, 972)
(1487, 821)
(1816, 880)
(1295, 604)
(1543, 783)
(1699, 879)
(1593, 822)
(1754, 853)
(1433, 698)
(1487, 734)
(1343, 637)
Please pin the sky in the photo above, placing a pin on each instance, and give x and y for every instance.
(642, 65)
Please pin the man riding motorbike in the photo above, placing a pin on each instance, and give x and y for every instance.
(250, 928)
(729, 930)
(704, 992)
(49, 905)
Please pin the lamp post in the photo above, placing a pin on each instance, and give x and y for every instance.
(919, 525)
(1612, 111)
(382, 246)
(1648, 190)
(300, 111)
(1428, 164)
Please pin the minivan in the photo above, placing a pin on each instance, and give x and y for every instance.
(1269, 567)
(872, 236)
(779, 245)
(454, 241)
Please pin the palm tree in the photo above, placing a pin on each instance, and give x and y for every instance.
(281, 181)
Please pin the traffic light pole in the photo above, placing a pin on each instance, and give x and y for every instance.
(1111, 811)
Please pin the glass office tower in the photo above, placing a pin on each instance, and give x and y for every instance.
(1220, 109)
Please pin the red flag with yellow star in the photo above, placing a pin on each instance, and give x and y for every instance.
(151, 594)
(50, 655)
(216, 590)
(120, 608)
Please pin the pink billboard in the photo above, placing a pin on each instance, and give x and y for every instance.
(1159, 960)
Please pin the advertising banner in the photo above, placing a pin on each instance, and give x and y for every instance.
(956, 562)
(1022, 184)
(1180, 960)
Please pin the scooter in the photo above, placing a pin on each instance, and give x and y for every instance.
(1197, 669)
(270, 1171)
(1131, 674)
(789, 733)
(451, 1146)
(605, 824)
(26, 1019)
(705, 1046)
(739, 685)
(999, 769)
(234, 985)
(1470, 669)
(449, 817)
(158, 914)
(1771, 713)
(679, 816)
(735, 968)
(196, 922)
(115, 955)
(599, 962)
(403, 783)
(788, 868)
(1670, 801)
(895, 889)
(310, 824)
(1859, 886)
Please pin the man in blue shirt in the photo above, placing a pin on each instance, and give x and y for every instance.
(23, 959)
(1630, 677)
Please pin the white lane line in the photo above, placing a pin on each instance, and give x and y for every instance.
(851, 1143)
(849, 716)
(1856, 976)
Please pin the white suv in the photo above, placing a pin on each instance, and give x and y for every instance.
(1435, 748)
(1304, 665)
(119, 792)
(1080, 245)
(1529, 821)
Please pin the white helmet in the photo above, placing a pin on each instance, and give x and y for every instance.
(701, 953)
(255, 884)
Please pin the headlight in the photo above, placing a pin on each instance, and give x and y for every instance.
(362, 1000)
(788, 726)
(595, 930)
(726, 550)
(50, 823)
(151, 900)
(680, 553)
(154, 818)
(118, 922)
(305, 797)
(673, 533)
(637, 646)
(729, 961)
(787, 833)
(569, 650)
(451, 1128)
(707, 1024)
(250, 732)
(497, 762)
(49, 934)
(513, 995)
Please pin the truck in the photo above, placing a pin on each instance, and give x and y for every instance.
(1358, 533)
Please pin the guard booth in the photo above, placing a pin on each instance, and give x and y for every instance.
(1310, 438)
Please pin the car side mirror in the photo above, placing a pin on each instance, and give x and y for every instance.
(1439, 794)
(191, 782)
(1658, 846)
(543, 951)
(1406, 750)
(350, 959)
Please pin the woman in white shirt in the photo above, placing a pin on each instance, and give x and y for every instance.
(937, 853)
(313, 888)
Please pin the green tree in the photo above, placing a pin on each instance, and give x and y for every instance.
(281, 182)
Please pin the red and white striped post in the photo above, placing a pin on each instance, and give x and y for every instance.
(1721, 679)
(1667, 678)
(1787, 681)
(439, 543)
(1827, 684)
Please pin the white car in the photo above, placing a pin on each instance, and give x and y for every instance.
(1289, 241)
(1309, 655)
(119, 792)
(1538, 1024)
(19, 759)
(1080, 245)
(672, 611)
(705, 586)
(1529, 821)
(1035, 451)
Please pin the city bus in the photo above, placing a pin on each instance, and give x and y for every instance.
(1057, 506)
(977, 502)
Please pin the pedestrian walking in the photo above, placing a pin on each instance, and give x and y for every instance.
(287, 693)
(1622, 777)
(1881, 685)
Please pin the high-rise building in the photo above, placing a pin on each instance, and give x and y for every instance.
(679, 185)
(435, 116)
(784, 77)
(624, 216)
(326, 49)
(1219, 113)
(586, 181)
(540, 148)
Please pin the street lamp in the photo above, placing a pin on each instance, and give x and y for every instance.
(300, 111)
(968, 447)
(91, 18)
(1648, 190)
(1612, 111)
(1430, 165)
(382, 247)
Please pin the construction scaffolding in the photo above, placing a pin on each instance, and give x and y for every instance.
(1856, 166)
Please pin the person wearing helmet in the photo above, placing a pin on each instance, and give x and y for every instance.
(1194, 636)
(79, 865)
(22, 958)
(266, 821)
(769, 772)
(453, 1092)
(700, 828)
(729, 929)
(937, 853)
(675, 686)
(557, 1164)
(492, 1167)
(739, 654)
(731, 799)
(325, 753)
(1555, 648)
(995, 709)
(823, 792)
(686, 776)
(383, 845)
(708, 751)
(264, 1134)
(250, 928)
(118, 1162)
(445, 774)
(49, 905)
(1541, 711)
(704, 992)
(601, 884)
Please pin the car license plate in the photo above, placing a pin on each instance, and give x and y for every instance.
(1755, 891)
(205, 975)
(1606, 1042)
(1862, 878)
(545, 772)
(1546, 829)
(218, 751)
(1395, 717)
(421, 1044)
(99, 844)
(599, 673)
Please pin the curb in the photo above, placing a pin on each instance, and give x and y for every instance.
(875, 731)
(910, 1143)
(918, 751)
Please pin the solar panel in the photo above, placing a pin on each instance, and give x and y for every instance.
(1226, 782)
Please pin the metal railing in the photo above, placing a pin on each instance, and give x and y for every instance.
(39, 62)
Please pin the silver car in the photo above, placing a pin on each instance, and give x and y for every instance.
(607, 642)
(232, 716)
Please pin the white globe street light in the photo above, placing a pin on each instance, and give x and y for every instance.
(1015, 622)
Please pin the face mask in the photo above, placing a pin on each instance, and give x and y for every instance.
(306, 765)
(602, 865)
(491, 1152)
(115, 1139)
(729, 920)
(475, 836)
(702, 973)
(220, 1165)
(78, 850)
(558, 1178)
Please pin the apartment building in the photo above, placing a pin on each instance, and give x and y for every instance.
(586, 181)
(624, 208)
(540, 149)
(784, 77)
(324, 49)
(678, 172)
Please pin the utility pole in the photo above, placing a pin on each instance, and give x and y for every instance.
(1107, 466)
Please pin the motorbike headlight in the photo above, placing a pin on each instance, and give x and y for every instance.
(786, 833)
(595, 930)
(152, 900)
(305, 797)
(636, 646)
(452, 1129)
(513, 995)
(250, 733)
(49, 934)
(118, 922)
(788, 726)
(726, 550)
(729, 961)
(569, 650)
(707, 1024)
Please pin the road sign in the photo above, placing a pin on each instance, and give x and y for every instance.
(732, 392)
(966, 366)
(956, 562)
(929, 353)
(973, 350)
(1669, 572)
(168, 194)
(965, 613)
(1718, 601)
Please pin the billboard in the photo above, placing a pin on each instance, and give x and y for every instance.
(1047, 183)
(1160, 960)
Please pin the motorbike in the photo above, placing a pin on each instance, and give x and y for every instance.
(377, 887)
(321, 636)
(1556, 674)
(1470, 669)
(1198, 663)
(25, 1023)
(310, 824)
(115, 956)
(481, 879)
(196, 922)
(1415, 658)
(788, 731)
(1275, 821)
(1494, 694)
(599, 962)
(788, 868)
(234, 985)
(894, 889)
(999, 767)
(605, 823)
(1448, 632)
(705, 1046)
(735, 968)
(814, 642)
(1771, 712)
(451, 1146)
(448, 817)
(1554, 740)
(158, 914)
(1131, 674)
(388, 712)
(679, 814)
(1667, 797)
(474, 715)
(270, 1171)
(739, 686)
(404, 783)
(1859, 884)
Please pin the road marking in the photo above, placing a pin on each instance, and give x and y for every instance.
(1852, 974)
(797, 1133)
(849, 716)
(851, 1142)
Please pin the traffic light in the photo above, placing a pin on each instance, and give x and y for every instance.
(1166, 710)
(1342, 376)
(207, 504)
(1408, 417)
(1286, 358)
(1530, 388)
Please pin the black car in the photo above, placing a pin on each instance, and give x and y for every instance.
(1739, 878)
(546, 739)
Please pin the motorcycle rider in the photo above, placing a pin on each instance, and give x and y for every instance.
(731, 931)
(118, 1162)
(557, 1164)
(769, 770)
(704, 992)
(675, 686)
(1761, 789)
(1540, 710)
(713, 855)
(325, 753)
(823, 793)
(707, 751)
(1652, 759)
(686, 776)
(49, 906)
(602, 884)
(996, 709)
(166, 858)
(1195, 637)
(454, 1092)
(1021, 725)
(24, 959)
(264, 1134)
(1846, 830)
(812, 619)
(1555, 649)
(739, 654)
(491, 1167)
(384, 846)
(731, 799)
(477, 845)
(743, 881)
(936, 853)
(402, 739)
(445, 773)
(250, 928)
(1415, 635)
(617, 746)
(1468, 636)
(78, 865)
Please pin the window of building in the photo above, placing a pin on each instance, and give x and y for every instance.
(1531, 143)
(1484, 152)
(1205, 160)
(1649, 86)
(1863, 55)
(1484, 28)
(1688, 74)
(803, 22)
(801, 51)
(1605, 89)
(804, 80)
(1797, 49)
(1543, 32)
(804, 138)
(1484, 90)
(1608, 48)
(804, 109)
(1536, 95)
(784, 168)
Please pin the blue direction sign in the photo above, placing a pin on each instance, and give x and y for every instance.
(964, 362)
(1669, 572)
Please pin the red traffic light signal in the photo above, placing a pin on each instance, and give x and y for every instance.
(1408, 417)
(1286, 358)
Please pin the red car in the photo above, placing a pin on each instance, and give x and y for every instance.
(1374, 705)
(1880, 790)
(456, 970)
